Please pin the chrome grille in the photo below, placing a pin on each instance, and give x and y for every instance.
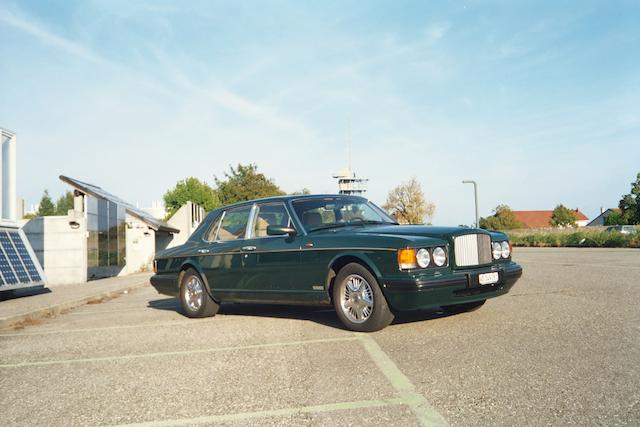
(472, 249)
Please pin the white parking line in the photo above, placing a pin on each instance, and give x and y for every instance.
(271, 413)
(426, 414)
(173, 353)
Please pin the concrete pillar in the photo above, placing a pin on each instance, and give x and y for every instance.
(8, 176)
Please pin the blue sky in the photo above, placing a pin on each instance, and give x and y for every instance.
(537, 101)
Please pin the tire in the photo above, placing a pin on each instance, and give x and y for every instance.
(194, 298)
(355, 284)
(464, 307)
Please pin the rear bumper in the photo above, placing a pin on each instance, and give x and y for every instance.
(456, 288)
(166, 284)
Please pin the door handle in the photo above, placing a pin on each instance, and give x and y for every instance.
(248, 248)
(203, 251)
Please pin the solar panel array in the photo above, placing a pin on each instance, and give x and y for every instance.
(17, 266)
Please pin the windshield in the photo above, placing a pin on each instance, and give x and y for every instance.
(330, 212)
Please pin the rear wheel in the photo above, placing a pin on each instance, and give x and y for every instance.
(461, 308)
(358, 300)
(194, 298)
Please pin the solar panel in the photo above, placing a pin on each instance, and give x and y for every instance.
(18, 266)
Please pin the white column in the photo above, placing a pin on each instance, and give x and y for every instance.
(11, 185)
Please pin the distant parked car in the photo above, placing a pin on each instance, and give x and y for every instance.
(624, 229)
(333, 250)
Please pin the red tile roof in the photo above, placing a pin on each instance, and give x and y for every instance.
(541, 219)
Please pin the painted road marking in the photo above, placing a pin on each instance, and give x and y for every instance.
(271, 413)
(175, 353)
(426, 414)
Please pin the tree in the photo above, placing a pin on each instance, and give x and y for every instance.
(302, 191)
(46, 206)
(245, 183)
(615, 218)
(563, 217)
(190, 189)
(503, 218)
(64, 203)
(630, 204)
(406, 203)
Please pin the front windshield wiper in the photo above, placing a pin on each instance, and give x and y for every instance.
(351, 223)
(328, 226)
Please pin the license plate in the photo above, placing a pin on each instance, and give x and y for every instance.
(488, 278)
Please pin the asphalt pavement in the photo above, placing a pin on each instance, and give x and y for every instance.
(563, 348)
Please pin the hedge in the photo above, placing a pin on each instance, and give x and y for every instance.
(588, 239)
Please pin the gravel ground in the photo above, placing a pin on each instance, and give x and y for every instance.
(563, 348)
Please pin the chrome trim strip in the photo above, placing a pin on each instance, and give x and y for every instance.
(289, 250)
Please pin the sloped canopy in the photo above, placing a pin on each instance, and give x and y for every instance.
(96, 191)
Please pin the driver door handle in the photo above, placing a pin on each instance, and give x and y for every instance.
(248, 248)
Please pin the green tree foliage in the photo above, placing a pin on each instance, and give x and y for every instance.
(615, 218)
(630, 203)
(503, 218)
(245, 183)
(190, 189)
(64, 203)
(406, 203)
(46, 207)
(563, 217)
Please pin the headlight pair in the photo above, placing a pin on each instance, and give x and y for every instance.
(501, 250)
(411, 258)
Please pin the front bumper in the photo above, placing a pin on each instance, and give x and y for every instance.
(458, 287)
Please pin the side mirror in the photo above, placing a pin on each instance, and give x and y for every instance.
(280, 230)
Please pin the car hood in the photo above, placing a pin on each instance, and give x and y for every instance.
(444, 233)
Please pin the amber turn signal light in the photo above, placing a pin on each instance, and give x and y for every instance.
(407, 259)
(155, 266)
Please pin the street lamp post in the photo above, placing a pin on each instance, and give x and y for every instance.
(475, 193)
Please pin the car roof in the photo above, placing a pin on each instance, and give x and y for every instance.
(287, 197)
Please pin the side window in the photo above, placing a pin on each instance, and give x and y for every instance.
(270, 214)
(210, 235)
(234, 224)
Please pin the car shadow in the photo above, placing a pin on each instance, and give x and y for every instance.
(322, 315)
(26, 292)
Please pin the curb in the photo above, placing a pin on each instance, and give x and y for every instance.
(54, 310)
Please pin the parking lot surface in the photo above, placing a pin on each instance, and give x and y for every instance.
(562, 348)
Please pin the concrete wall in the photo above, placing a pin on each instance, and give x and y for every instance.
(141, 246)
(186, 219)
(60, 244)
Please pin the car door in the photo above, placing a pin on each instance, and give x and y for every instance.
(272, 263)
(222, 257)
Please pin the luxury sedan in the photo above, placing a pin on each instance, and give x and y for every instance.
(333, 250)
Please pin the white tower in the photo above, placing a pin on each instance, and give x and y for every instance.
(349, 184)
(8, 196)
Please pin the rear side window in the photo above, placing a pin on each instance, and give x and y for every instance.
(234, 224)
(211, 233)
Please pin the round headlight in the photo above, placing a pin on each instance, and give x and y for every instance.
(439, 256)
(496, 249)
(506, 250)
(423, 258)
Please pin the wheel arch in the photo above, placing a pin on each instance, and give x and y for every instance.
(342, 259)
(191, 264)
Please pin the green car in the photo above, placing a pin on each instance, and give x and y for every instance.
(333, 250)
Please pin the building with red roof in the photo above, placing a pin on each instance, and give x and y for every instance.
(542, 219)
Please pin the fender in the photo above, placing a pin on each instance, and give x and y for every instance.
(353, 254)
(192, 263)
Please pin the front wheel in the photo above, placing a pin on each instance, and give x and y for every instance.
(358, 300)
(194, 298)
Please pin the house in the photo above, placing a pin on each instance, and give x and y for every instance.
(542, 219)
(602, 218)
(104, 236)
